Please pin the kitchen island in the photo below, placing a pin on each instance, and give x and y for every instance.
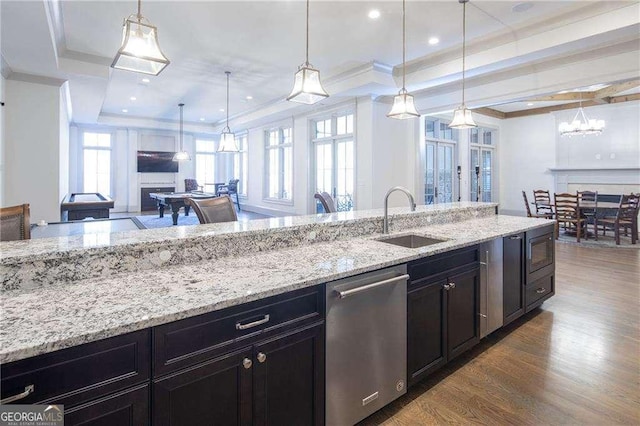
(149, 281)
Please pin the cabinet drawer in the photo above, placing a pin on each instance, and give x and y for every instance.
(82, 373)
(431, 267)
(127, 408)
(539, 291)
(194, 340)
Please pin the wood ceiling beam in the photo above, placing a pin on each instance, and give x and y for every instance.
(573, 105)
(571, 96)
(614, 89)
(490, 112)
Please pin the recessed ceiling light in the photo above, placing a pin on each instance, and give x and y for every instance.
(221, 109)
(434, 40)
(522, 7)
(530, 104)
(125, 110)
(249, 97)
(133, 98)
(145, 80)
(374, 14)
(201, 118)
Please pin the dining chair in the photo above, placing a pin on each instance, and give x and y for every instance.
(326, 201)
(192, 185)
(542, 200)
(626, 218)
(214, 210)
(230, 189)
(15, 223)
(529, 214)
(566, 206)
(588, 201)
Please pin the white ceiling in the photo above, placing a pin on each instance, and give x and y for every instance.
(261, 43)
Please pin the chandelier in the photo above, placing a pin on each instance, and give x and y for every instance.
(581, 125)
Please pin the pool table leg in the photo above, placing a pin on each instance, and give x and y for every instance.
(187, 207)
(161, 209)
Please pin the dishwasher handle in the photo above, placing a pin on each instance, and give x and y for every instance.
(353, 291)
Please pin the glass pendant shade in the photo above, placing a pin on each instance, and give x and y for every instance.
(403, 106)
(462, 119)
(181, 156)
(227, 141)
(140, 51)
(581, 126)
(307, 88)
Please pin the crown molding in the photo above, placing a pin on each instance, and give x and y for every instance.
(36, 79)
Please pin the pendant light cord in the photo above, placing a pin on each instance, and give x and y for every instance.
(307, 57)
(404, 47)
(139, 10)
(181, 132)
(464, 43)
(228, 73)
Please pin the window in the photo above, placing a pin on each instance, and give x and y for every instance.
(333, 148)
(481, 156)
(240, 164)
(96, 162)
(205, 161)
(440, 149)
(279, 163)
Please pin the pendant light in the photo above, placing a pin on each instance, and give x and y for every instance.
(307, 88)
(462, 117)
(140, 51)
(227, 138)
(581, 125)
(403, 105)
(181, 155)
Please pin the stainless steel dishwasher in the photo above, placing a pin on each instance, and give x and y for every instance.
(366, 350)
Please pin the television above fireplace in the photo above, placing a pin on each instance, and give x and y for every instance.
(156, 162)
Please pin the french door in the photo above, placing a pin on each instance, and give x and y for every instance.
(482, 159)
(334, 171)
(439, 187)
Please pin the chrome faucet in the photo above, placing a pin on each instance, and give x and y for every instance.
(412, 204)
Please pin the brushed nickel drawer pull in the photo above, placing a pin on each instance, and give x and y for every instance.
(252, 324)
(261, 357)
(515, 237)
(541, 290)
(247, 363)
(27, 391)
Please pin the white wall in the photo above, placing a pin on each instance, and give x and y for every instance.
(32, 148)
(527, 151)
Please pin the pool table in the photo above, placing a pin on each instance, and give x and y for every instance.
(81, 205)
(175, 200)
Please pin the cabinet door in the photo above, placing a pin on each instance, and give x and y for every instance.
(214, 393)
(128, 408)
(426, 330)
(289, 379)
(513, 277)
(463, 309)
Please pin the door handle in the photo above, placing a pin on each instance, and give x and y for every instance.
(353, 291)
(247, 363)
(261, 357)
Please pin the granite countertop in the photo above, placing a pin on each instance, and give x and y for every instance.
(45, 319)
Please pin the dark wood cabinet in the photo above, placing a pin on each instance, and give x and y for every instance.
(513, 277)
(443, 307)
(218, 392)
(128, 408)
(463, 312)
(274, 382)
(289, 379)
(426, 330)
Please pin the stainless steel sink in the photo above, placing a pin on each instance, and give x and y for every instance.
(410, 241)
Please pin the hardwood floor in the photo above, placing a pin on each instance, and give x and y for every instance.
(575, 360)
